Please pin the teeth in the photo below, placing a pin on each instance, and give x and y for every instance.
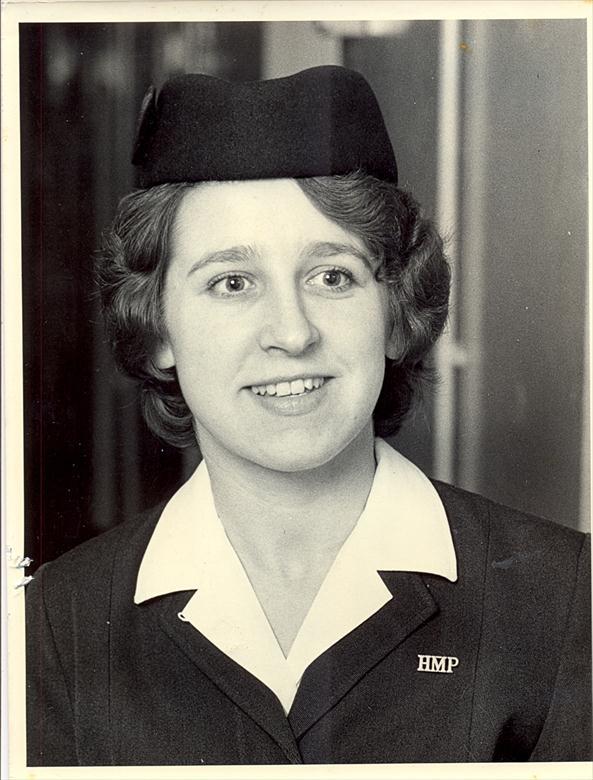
(296, 387)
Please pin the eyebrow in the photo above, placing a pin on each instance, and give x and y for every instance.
(332, 248)
(232, 254)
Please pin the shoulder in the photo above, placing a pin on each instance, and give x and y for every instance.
(516, 544)
(464, 507)
(87, 572)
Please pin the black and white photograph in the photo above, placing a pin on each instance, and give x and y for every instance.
(296, 428)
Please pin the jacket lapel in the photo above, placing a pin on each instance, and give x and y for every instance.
(333, 674)
(327, 680)
(247, 692)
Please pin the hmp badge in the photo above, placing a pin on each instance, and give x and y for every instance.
(444, 664)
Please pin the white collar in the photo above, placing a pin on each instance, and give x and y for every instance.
(403, 528)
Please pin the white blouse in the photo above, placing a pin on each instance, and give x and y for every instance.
(403, 527)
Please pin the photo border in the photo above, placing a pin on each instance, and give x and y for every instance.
(13, 666)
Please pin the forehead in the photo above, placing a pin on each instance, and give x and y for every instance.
(271, 213)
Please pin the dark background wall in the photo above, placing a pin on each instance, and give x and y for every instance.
(519, 411)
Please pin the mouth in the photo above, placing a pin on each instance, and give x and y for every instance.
(300, 386)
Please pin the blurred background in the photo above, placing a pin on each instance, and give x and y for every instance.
(489, 124)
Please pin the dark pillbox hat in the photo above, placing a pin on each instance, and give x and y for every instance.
(320, 122)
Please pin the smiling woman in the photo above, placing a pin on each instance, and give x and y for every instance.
(403, 249)
(266, 313)
(308, 596)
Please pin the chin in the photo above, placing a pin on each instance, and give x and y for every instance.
(305, 455)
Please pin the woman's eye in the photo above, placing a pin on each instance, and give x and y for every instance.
(333, 279)
(230, 284)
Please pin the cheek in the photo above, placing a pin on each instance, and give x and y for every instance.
(187, 339)
(187, 327)
(367, 329)
(207, 349)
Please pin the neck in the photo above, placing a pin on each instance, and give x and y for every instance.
(280, 518)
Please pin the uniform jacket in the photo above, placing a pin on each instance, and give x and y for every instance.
(110, 682)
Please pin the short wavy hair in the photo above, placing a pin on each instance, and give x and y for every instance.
(133, 261)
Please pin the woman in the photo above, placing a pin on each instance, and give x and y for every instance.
(308, 596)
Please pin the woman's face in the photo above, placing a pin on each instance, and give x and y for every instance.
(275, 323)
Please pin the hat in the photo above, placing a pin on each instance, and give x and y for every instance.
(322, 121)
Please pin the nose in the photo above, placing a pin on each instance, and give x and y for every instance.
(287, 325)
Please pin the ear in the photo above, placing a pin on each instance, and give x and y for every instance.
(163, 356)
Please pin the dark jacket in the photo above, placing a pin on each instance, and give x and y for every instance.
(114, 683)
